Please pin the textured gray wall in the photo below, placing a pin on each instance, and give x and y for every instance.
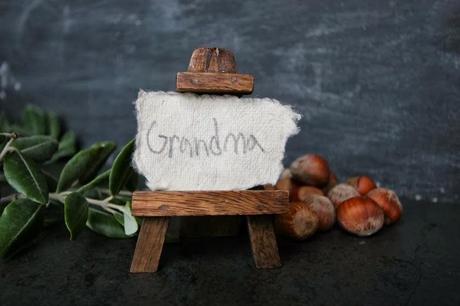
(378, 82)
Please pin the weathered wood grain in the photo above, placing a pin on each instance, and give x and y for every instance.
(149, 245)
(209, 203)
(212, 60)
(263, 242)
(214, 82)
(213, 70)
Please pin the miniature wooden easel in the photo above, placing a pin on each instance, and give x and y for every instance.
(211, 70)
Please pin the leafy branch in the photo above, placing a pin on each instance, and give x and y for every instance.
(45, 179)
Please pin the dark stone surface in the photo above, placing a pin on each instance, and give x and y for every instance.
(415, 262)
(376, 81)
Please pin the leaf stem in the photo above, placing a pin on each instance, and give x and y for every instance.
(104, 204)
(117, 207)
(121, 192)
(57, 196)
(10, 197)
(6, 149)
(10, 135)
(101, 204)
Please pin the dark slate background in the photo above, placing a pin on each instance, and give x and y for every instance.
(378, 82)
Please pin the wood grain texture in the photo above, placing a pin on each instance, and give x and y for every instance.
(149, 245)
(263, 242)
(209, 203)
(212, 60)
(214, 82)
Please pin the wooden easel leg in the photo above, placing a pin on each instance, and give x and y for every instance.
(149, 244)
(263, 241)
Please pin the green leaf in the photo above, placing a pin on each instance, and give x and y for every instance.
(54, 169)
(105, 224)
(25, 176)
(132, 181)
(104, 149)
(75, 213)
(84, 165)
(54, 127)
(67, 146)
(20, 219)
(38, 147)
(95, 182)
(34, 120)
(121, 168)
(51, 181)
(120, 219)
(129, 221)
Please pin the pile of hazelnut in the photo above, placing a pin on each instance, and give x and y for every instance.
(317, 200)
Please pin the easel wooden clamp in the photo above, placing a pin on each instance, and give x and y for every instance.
(211, 70)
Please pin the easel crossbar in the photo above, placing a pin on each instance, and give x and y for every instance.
(209, 203)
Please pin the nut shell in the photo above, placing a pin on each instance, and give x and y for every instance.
(323, 208)
(360, 216)
(341, 193)
(305, 191)
(286, 173)
(299, 223)
(311, 169)
(332, 182)
(287, 183)
(389, 202)
(363, 183)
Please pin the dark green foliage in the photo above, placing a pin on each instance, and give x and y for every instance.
(50, 181)
(75, 213)
(25, 176)
(18, 221)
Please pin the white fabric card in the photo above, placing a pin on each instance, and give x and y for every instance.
(207, 142)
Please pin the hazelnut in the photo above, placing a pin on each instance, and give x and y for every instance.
(389, 202)
(360, 216)
(311, 169)
(341, 192)
(331, 184)
(286, 182)
(323, 208)
(305, 191)
(299, 223)
(363, 183)
(286, 174)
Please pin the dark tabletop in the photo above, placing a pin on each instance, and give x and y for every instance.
(415, 262)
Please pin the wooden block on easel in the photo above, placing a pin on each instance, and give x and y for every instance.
(213, 70)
